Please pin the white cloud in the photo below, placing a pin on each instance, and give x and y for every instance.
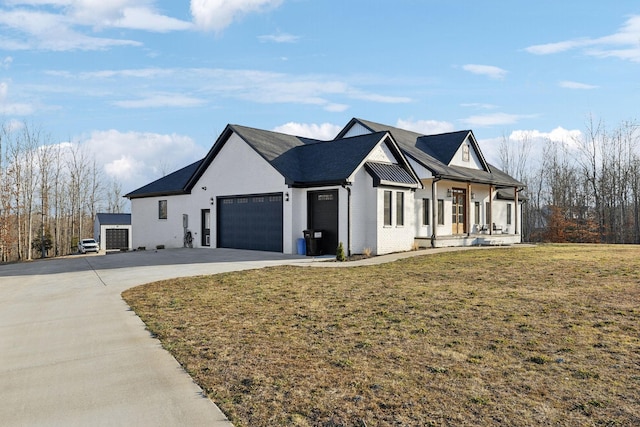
(425, 127)
(479, 106)
(494, 119)
(162, 100)
(216, 15)
(9, 108)
(47, 31)
(60, 25)
(6, 62)
(623, 44)
(559, 134)
(327, 92)
(139, 18)
(549, 48)
(324, 131)
(279, 38)
(537, 141)
(138, 158)
(567, 84)
(486, 70)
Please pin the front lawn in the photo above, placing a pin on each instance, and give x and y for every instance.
(548, 335)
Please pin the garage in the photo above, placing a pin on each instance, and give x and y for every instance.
(250, 222)
(117, 238)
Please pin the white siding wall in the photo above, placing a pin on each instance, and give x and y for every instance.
(423, 231)
(150, 231)
(395, 238)
(236, 170)
(474, 161)
(364, 226)
(382, 154)
(356, 130)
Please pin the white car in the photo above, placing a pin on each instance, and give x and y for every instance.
(87, 245)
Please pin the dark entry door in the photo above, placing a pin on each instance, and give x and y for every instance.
(250, 222)
(206, 227)
(322, 209)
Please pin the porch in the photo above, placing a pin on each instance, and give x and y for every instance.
(473, 239)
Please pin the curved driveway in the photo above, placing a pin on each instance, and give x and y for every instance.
(73, 354)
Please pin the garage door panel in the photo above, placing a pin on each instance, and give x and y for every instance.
(250, 222)
(117, 238)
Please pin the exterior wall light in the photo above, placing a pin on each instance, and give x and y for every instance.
(286, 196)
(448, 192)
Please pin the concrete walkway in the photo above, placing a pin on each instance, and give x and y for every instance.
(73, 354)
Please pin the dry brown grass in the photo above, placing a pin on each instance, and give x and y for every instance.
(524, 336)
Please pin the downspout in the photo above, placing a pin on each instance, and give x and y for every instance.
(490, 209)
(348, 218)
(517, 205)
(434, 212)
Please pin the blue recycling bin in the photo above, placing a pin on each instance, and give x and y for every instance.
(302, 246)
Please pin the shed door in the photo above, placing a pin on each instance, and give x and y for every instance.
(250, 222)
(117, 238)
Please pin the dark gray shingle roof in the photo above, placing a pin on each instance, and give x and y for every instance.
(303, 162)
(174, 183)
(114, 218)
(426, 150)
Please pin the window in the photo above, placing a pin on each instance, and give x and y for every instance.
(425, 212)
(440, 212)
(399, 208)
(162, 209)
(508, 213)
(387, 208)
(487, 213)
(477, 213)
(465, 153)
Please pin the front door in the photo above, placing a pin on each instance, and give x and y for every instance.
(459, 211)
(322, 210)
(206, 227)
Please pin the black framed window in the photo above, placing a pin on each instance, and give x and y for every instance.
(387, 208)
(162, 209)
(477, 213)
(399, 208)
(508, 213)
(440, 212)
(426, 217)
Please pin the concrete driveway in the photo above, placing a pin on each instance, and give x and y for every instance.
(73, 354)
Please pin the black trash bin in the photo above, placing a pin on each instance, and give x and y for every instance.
(312, 240)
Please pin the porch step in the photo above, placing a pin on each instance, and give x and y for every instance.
(487, 241)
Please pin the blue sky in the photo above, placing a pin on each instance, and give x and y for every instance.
(148, 85)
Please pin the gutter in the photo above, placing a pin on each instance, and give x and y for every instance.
(434, 208)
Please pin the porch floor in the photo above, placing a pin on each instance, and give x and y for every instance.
(476, 239)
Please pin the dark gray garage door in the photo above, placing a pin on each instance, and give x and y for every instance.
(117, 238)
(250, 222)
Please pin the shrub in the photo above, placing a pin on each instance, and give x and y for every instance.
(340, 253)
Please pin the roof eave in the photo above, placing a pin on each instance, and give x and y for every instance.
(156, 194)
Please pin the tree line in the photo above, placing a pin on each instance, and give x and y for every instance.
(50, 194)
(585, 190)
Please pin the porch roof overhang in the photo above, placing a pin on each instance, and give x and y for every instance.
(391, 175)
(496, 177)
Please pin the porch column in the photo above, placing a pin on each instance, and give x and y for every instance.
(515, 197)
(490, 216)
(469, 222)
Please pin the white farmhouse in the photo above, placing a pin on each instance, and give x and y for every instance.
(374, 188)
